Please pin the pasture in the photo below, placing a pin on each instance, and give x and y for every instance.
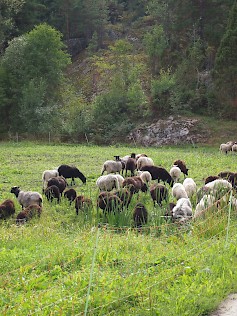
(64, 264)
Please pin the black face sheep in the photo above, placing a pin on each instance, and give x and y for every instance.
(29, 212)
(159, 193)
(182, 166)
(7, 208)
(71, 172)
(60, 182)
(159, 173)
(82, 203)
(70, 194)
(25, 198)
(48, 174)
(140, 215)
(52, 192)
(210, 179)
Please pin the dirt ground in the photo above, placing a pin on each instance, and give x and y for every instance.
(228, 307)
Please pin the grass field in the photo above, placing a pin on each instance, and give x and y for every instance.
(63, 264)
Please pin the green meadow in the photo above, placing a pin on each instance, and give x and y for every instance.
(90, 264)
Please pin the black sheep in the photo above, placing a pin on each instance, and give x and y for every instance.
(159, 173)
(71, 172)
(131, 164)
(52, 192)
(70, 194)
(140, 215)
(158, 193)
(60, 182)
(7, 208)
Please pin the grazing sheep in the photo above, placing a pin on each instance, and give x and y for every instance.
(225, 174)
(175, 173)
(211, 178)
(159, 193)
(71, 172)
(125, 196)
(7, 208)
(52, 192)
(234, 147)
(144, 161)
(178, 191)
(70, 194)
(159, 173)
(205, 202)
(135, 184)
(225, 148)
(217, 187)
(60, 182)
(25, 198)
(33, 210)
(82, 203)
(108, 182)
(145, 176)
(190, 187)
(131, 165)
(140, 215)
(109, 202)
(112, 166)
(182, 166)
(219, 184)
(48, 174)
(182, 210)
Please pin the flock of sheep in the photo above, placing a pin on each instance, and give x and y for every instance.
(126, 177)
(228, 147)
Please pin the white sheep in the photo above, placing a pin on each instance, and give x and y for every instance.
(206, 201)
(48, 174)
(111, 166)
(234, 147)
(120, 179)
(178, 191)
(108, 182)
(144, 161)
(182, 210)
(190, 186)
(145, 176)
(26, 198)
(224, 148)
(175, 173)
(218, 184)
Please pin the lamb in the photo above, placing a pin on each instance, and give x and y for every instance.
(52, 192)
(60, 182)
(144, 161)
(140, 215)
(70, 194)
(71, 172)
(190, 186)
(108, 182)
(178, 191)
(48, 174)
(82, 203)
(33, 210)
(26, 198)
(135, 184)
(159, 193)
(175, 173)
(182, 210)
(131, 164)
(206, 201)
(182, 166)
(145, 176)
(159, 173)
(7, 208)
(112, 166)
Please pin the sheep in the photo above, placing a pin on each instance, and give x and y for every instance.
(120, 179)
(210, 179)
(125, 196)
(112, 166)
(140, 155)
(7, 208)
(169, 211)
(233, 180)
(206, 201)
(52, 192)
(82, 203)
(145, 176)
(182, 166)
(71, 172)
(33, 210)
(234, 147)
(109, 202)
(159, 193)
(190, 186)
(159, 173)
(25, 198)
(131, 164)
(144, 161)
(70, 194)
(135, 184)
(140, 215)
(175, 173)
(182, 210)
(108, 182)
(59, 181)
(178, 191)
(217, 188)
(225, 174)
(225, 148)
(48, 174)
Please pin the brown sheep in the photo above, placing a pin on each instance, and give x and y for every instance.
(140, 215)
(52, 192)
(211, 178)
(131, 164)
(182, 166)
(7, 208)
(71, 195)
(135, 184)
(31, 211)
(158, 193)
(82, 203)
(109, 202)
